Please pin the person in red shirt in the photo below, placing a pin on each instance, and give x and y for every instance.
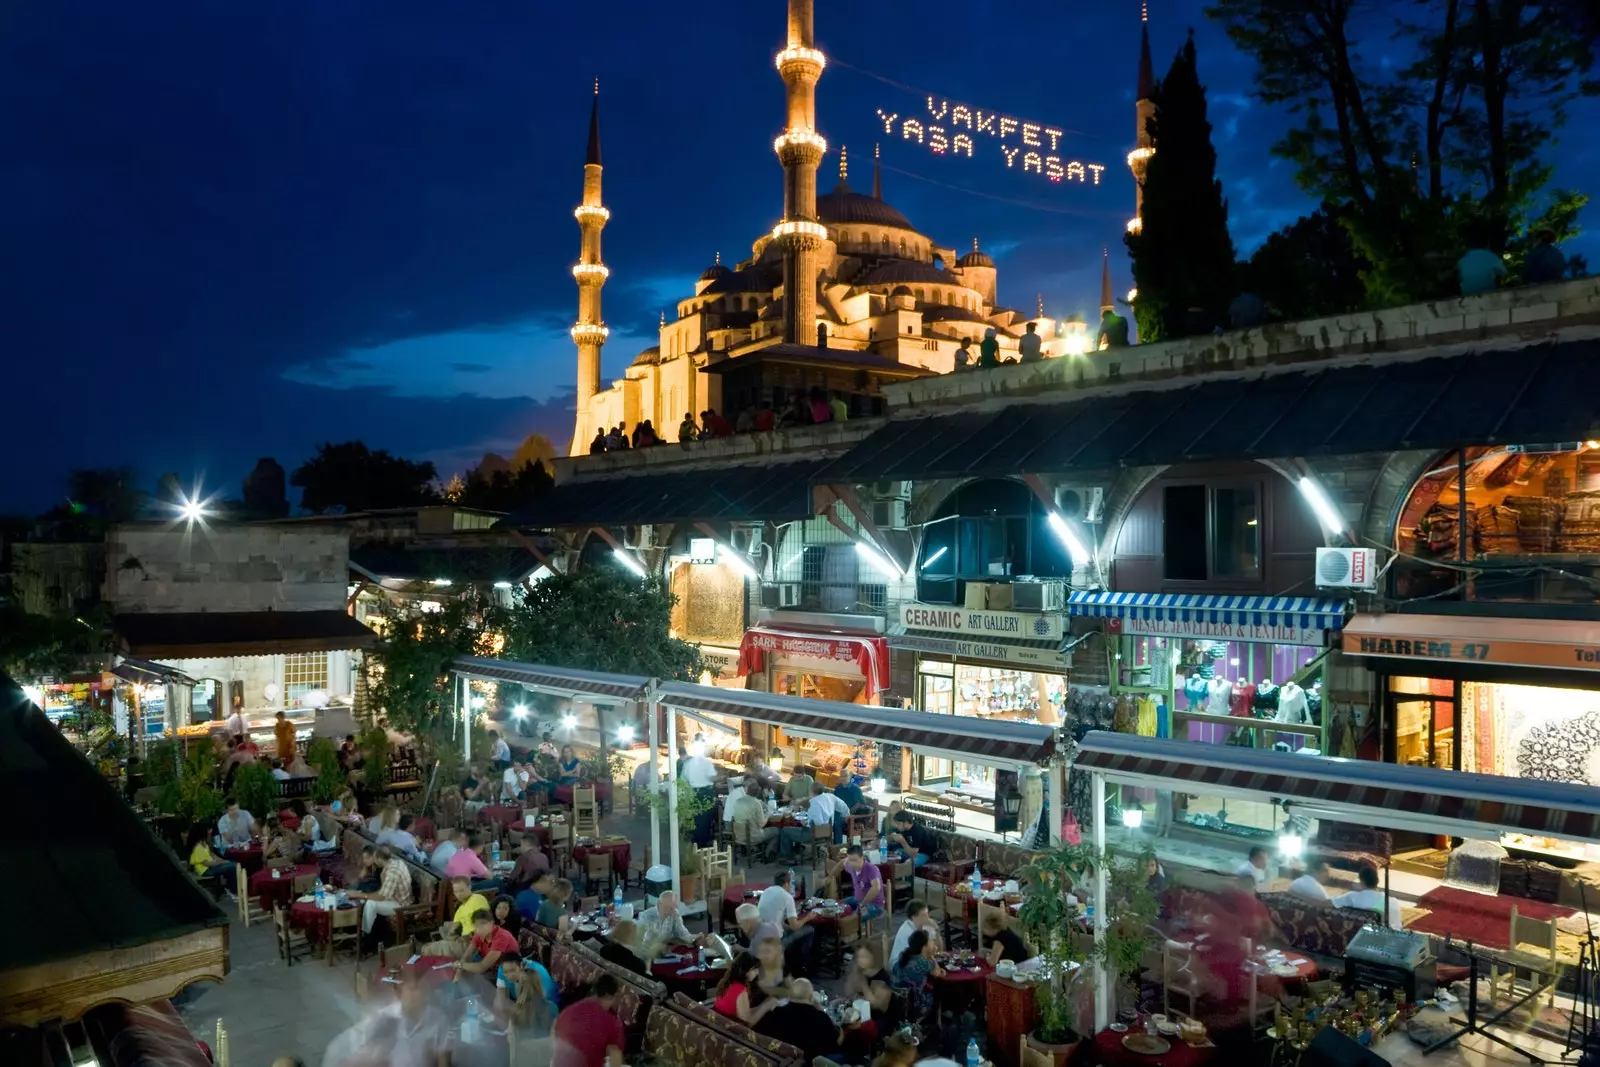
(589, 1034)
(718, 425)
(489, 943)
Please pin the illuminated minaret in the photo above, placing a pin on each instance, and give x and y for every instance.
(589, 332)
(1144, 107)
(800, 148)
(1107, 301)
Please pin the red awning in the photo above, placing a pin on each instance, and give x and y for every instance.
(868, 652)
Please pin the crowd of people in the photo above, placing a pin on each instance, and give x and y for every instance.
(804, 408)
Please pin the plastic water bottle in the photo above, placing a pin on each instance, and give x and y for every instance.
(772, 802)
(794, 886)
(616, 899)
(975, 883)
(469, 1022)
(973, 1059)
(494, 853)
(322, 895)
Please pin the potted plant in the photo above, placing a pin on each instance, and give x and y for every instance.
(323, 757)
(690, 807)
(255, 789)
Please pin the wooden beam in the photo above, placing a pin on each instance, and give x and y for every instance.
(533, 550)
(851, 499)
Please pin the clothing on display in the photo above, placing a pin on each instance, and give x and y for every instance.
(1220, 701)
(1243, 700)
(1293, 706)
(1266, 699)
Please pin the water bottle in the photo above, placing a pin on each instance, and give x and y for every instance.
(976, 883)
(616, 899)
(322, 896)
(772, 803)
(494, 853)
(469, 1022)
(794, 886)
(973, 1059)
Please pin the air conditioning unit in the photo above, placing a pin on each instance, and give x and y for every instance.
(891, 490)
(566, 560)
(1081, 503)
(889, 514)
(742, 539)
(639, 538)
(1347, 568)
(1038, 596)
(780, 595)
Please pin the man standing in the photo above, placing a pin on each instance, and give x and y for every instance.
(236, 725)
(410, 1032)
(283, 734)
(589, 1034)
(235, 826)
(828, 809)
(394, 891)
(776, 907)
(701, 774)
(866, 884)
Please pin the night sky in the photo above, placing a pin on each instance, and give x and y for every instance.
(237, 230)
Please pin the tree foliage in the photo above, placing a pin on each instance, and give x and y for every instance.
(600, 619)
(535, 448)
(264, 493)
(352, 477)
(408, 674)
(1309, 269)
(1182, 255)
(502, 489)
(1432, 154)
(35, 645)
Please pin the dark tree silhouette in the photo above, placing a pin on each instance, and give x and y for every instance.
(265, 492)
(352, 477)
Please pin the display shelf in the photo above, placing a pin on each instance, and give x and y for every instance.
(1250, 724)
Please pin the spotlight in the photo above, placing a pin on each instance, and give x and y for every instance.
(1075, 549)
(1326, 513)
(626, 559)
(520, 711)
(1291, 846)
(1133, 818)
(569, 721)
(625, 734)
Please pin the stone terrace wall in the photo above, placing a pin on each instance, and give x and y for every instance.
(226, 568)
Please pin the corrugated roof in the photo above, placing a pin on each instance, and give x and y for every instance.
(212, 634)
(504, 563)
(771, 490)
(1542, 393)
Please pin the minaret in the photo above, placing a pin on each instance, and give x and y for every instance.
(877, 176)
(800, 148)
(1144, 107)
(590, 331)
(1107, 301)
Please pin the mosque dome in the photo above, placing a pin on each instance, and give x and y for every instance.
(648, 357)
(975, 258)
(844, 206)
(715, 271)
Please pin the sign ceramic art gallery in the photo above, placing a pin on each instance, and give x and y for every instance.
(1013, 625)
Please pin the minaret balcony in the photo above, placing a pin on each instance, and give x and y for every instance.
(586, 212)
(1136, 225)
(590, 333)
(801, 62)
(591, 272)
(800, 147)
(801, 234)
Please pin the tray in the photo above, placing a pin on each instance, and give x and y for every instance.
(1145, 1045)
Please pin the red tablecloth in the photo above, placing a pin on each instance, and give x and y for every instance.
(311, 919)
(501, 815)
(289, 819)
(976, 971)
(735, 894)
(247, 857)
(621, 854)
(1109, 1044)
(272, 892)
(684, 972)
(562, 794)
(423, 829)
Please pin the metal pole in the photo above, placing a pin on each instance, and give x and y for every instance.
(672, 800)
(1102, 985)
(652, 708)
(466, 718)
(1053, 775)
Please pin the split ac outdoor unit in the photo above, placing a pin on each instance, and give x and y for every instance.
(892, 490)
(639, 538)
(780, 595)
(1038, 596)
(1081, 503)
(889, 514)
(1347, 568)
(742, 539)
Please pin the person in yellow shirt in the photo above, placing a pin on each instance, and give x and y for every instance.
(206, 863)
(451, 938)
(283, 732)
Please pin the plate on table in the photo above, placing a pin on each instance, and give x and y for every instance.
(1285, 970)
(1145, 1045)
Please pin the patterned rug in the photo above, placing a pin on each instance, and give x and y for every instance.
(1485, 920)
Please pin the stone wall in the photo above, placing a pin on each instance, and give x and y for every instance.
(798, 442)
(226, 568)
(57, 579)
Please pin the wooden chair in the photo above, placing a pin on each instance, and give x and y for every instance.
(278, 863)
(719, 860)
(598, 867)
(289, 939)
(956, 922)
(638, 864)
(560, 846)
(1540, 964)
(304, 883)
(753, 852)
(1178, 975)
(864, 827)
(585, 812)
(904, 880)
(816, 849)
(248, 912)
(344, 928)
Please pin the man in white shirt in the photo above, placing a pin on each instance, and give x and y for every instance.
(236, 725)
(826, 808)
(776, 907)
(697, 769)
(511, 785)
(499, 751)
(661, 926)
(1254, 867)
(401, 839)
(1370, 898)
(918, 917)
(1309, 885)
(278, 773)
(235, 826)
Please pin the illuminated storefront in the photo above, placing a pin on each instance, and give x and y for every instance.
(1217, 669)
(996, 665)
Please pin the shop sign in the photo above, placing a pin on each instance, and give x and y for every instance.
(992, 651)
(1222, 630)
(1017, 625)
(1504, 653)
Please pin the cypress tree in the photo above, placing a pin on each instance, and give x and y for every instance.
(1182, 255)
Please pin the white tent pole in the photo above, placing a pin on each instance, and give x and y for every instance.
(1053, 774)
(672, 798)
(1102, 985)
(466, 717)
(652, 707)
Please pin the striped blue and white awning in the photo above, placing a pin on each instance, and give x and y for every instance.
(1212, 615)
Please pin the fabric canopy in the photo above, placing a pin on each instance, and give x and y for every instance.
(1426, 640)
(1286, 619)
(574, 683)
(984, 741)
(868, 653)
(1457, 802)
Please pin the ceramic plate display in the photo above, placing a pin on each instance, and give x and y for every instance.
(1145, 1045)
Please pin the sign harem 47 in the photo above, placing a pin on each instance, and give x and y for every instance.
(956, 129)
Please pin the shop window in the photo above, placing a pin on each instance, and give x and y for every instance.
(303, 672)
(987, 531)
(205, 703)
(1210, 532)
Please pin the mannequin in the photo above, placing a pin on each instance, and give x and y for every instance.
(1292, 705)
(1220, 699)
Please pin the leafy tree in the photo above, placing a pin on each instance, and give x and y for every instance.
(600, 619)
(255, 789)
(1182, 255)
(101, 497)
(535, 448)
(352, 477)
(503, 489)
(265, 495)
(187, 783)
(408, 673)
(1309, 269)
(35, 645)
(323, 756)
(1430, 154)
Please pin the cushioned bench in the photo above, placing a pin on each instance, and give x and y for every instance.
(574, 967)
(780, 1051)
(675, 1036)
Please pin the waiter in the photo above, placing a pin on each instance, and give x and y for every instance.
(701, 774)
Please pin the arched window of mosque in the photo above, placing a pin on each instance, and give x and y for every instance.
(902, 246)
(844, 237)
(886, 242)
(920, 294)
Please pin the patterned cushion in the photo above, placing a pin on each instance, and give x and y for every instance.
(1000, 860)
(780, 1051)
(534, 942)
(1349, 847)
(146, 1035)
(673, 1037)
(575, 970)
(1320, 929)
(954, 848)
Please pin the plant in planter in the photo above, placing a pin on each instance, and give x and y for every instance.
(255, 789)
(187, 783)
(690, 807)
(374, 745)
(330, 780)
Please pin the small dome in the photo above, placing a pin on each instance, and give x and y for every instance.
(648, 357)
(975, 258)
(715, 271)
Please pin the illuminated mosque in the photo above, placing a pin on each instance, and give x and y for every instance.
(844, 290)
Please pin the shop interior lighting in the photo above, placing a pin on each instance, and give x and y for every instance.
(931, 560)
(441, 581)
(1075, 549)
(1133, 818)
(626, 559)
(625, 735)
(520, 711)
(502, 585)
(776, 763)
(872, 556)
(1291, 846)
(569, 721)
(737, 560)
(880, 785)
(1326, 513)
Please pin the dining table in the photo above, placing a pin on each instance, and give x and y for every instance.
(273, 892)
(246, 856)
(314, 922)
(621, 853)
(1112, 1052)
(962, 983)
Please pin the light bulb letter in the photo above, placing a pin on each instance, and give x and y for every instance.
(985, 122)
(937, 140)
(961, 115)
(911, 128)
(944, 106)
(1054, 135)
(1096, 168)
(887, 120)
(1032, 161)
(1007, 127)
(1074, 171)
(960, 143)
(1030, 134)
(1011, 154)
(1052, 168)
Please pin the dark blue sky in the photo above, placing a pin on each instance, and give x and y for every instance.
(236, 230)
